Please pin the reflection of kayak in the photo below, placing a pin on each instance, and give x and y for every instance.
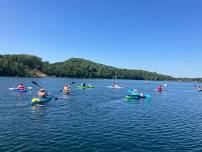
(85, 87)
(17, 90)
(41, 100)
(115, 87)
(136, 96)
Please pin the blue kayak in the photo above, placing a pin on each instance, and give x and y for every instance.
(136, 96)
(43, 100)
(17, 90)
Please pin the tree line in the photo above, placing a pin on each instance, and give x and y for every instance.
(23, 65)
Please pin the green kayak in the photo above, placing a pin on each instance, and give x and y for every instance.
(85, 87)
(136, 96)
(41, 100)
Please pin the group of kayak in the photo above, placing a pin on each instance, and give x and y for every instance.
(136, 94)
(44, 96)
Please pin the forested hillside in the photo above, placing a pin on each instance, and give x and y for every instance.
(25, 65)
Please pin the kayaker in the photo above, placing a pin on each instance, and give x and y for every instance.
(21, 86)
(114, 84)
(66, 89)
(42, 93)
(138, 93)
(199, 88)
(83, 84)
(141, 94)
(135, 91)
(160, 88)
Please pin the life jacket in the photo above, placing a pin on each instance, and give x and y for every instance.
(21, 87)
(159, 88)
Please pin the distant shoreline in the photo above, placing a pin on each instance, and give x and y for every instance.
(97, 79)
(23, 65)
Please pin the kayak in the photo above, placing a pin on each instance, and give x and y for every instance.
(159, 90)
(66, 92)
(115, 87)
(17, 90)
(136, 96)
(85, 87)
(41, 100)
(199, 89)
(28, 88)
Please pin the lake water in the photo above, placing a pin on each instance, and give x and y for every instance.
(101, 119)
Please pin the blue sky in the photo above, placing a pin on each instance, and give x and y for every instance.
(163, 36)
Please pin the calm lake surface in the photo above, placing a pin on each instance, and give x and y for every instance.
(101, 119)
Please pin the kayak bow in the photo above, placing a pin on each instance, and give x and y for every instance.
(41, 100)
(85, 87)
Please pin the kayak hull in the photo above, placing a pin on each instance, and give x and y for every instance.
(68, 92)
(21, 90)
(116, 87)
(85, 87)
(41, 100)
(136, 96)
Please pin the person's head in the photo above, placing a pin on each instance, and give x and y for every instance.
(135, 90)
(21, 83)
(42, 92)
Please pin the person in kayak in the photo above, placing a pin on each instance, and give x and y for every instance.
(83, 84)
(66, 89)
(114, 84)
(42, 93)
(21, 86)
(199, 88)
(135, 91)
(160, 88)
(138, 93)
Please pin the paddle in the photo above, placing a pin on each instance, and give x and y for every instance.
(70, 84)
(42, 88)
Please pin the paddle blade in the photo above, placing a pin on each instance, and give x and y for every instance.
(34, 83)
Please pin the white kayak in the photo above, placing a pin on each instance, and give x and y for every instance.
(115, 87)
(12, 88)
(29, 88)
